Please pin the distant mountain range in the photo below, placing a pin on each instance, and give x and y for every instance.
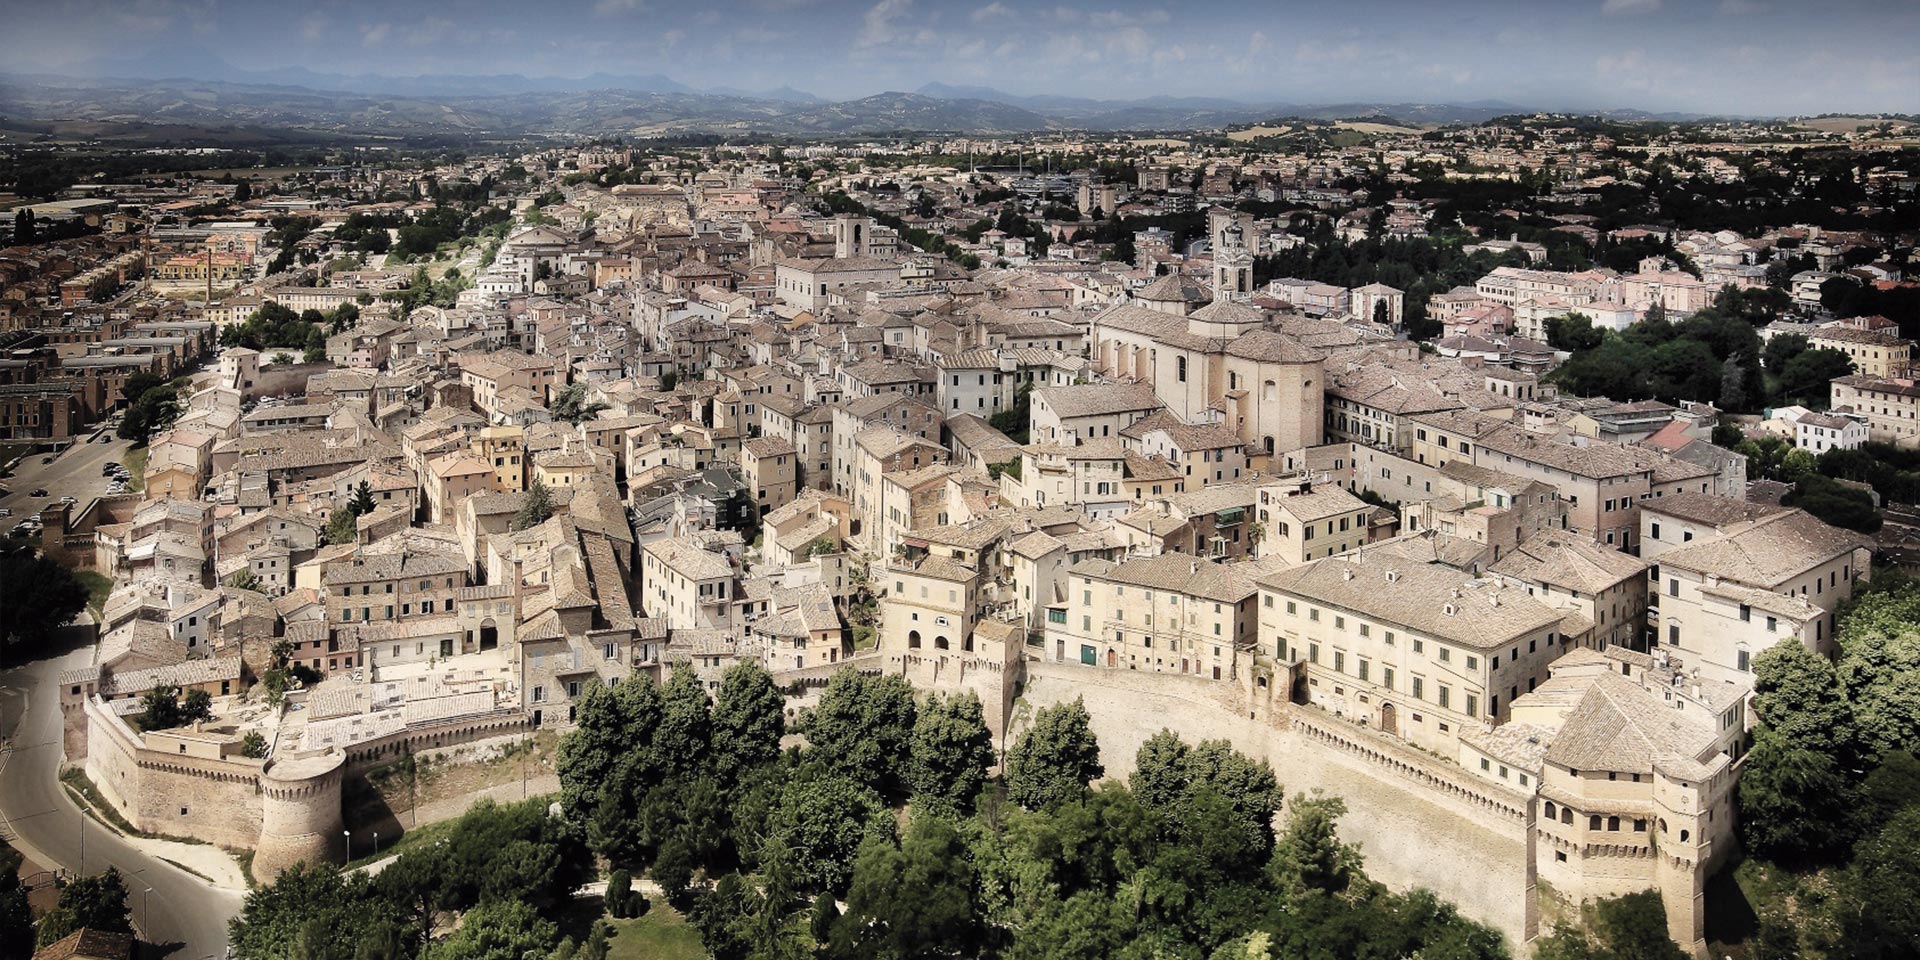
(193, 95)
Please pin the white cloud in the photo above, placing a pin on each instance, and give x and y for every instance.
(1628, 70)
(1614, 8)
(313, 27)
(992, 11)
(1123, 18)
(1318, 53)
(375, 34)
(1743, 8)
(614, 8)
(886, 25)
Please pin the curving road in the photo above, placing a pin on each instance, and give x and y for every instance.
(37, 816)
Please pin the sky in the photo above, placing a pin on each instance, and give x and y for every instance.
(1759, 57)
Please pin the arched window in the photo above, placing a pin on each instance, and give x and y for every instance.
(1613, 824)
(1180, 369)
(1269, 391)
(940, 643)
(1593, 822)
(1566, 815)
(1683, 836)
(1553, 810)
(913, 640)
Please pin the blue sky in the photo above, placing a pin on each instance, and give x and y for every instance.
(1735, 56)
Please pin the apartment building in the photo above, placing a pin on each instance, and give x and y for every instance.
(392, 586)
(1167, 614)
(1875, 353)
(1300, 521)
(1606, 587)
(1890, 405)
(1721, 601)
(1416, 650)
(689, 585)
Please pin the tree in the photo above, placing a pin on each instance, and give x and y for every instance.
(1630, 927)
(497, 930)
(1835, 503)
(622, 900)
(749, 718)
(535, 510)
(98, 902)
(1887, 881)
(1573, 332)
(1310, 855)
(244, 579)
(862, 727)
(152, 412)
(572, 406)
(160, 708)
(819, 823)
(1879, 667)
(1781, 350)
(610, 732)
(362, 502)
(16, 914)
(23, 227)
(1055, 759)
(951, 751)
(254, 745)
(41, 597)
(682, 742)
(1806, 378)
(1209, 797)
(343, 526)
(913, 899)
(1787, 799)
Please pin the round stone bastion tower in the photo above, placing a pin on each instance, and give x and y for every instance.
(299, 813)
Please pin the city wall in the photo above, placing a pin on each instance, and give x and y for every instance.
(1418, 820)
(182, 795)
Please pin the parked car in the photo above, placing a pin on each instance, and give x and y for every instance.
(48, 459)
(39, 492)
(69, 501)
(5, 512)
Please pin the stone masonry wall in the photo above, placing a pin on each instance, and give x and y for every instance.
(213, 800)
(1418, 822)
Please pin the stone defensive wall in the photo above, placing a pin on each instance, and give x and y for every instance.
(186, 784)
(160, 788)
(1420, 821)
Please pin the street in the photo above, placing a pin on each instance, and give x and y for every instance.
(75, 473)
(38, 817)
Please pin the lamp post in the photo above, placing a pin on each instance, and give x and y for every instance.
(349, 835)
(143, 912)
(376, 843)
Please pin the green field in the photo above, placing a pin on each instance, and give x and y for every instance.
(663, 934)
(135, 460)
(99, 586)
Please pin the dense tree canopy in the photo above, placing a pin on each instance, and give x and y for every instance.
(41, 596)
(1055, 759)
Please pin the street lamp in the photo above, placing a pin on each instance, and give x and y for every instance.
(349, 835)
(376, 843)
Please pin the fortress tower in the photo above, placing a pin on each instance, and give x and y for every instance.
(300, 814)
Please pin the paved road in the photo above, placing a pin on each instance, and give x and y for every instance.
(75, 473)
(37, 815)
